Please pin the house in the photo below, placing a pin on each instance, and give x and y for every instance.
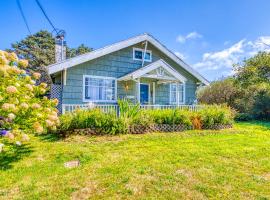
(140, 69)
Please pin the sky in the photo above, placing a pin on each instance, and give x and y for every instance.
(210, 35)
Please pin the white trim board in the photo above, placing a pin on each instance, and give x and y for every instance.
(118, 46)
(148, 68)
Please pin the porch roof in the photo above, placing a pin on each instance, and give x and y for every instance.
(145, 72)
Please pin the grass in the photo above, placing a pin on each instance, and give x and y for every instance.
(227, 164)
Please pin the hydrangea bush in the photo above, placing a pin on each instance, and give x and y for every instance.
(23, 106)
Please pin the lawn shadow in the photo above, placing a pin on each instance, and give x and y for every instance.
(51, 137)
(13, 154)
(264, 125)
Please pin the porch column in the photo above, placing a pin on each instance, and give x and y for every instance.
(177, 93)
(154, 93)
(138, 90)
(65, 76)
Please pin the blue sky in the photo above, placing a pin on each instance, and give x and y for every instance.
(210, 35)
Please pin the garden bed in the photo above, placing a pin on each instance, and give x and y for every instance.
(132, 120)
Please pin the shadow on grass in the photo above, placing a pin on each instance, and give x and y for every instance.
(264, 125)
(12, 154)
(51, 137)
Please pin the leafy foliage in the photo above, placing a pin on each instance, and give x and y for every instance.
(23, 106)
(110, 123)
(254, 70)
(219, 92)
(213, 115)
(39, 50)
(247, 91)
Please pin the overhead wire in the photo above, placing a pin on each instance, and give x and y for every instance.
(23, 16)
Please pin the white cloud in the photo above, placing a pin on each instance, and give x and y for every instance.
(189, 36)
(220, 63)
(180, 55)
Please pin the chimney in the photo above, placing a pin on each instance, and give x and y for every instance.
(60, 50)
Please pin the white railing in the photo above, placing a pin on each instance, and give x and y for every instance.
(108, 108)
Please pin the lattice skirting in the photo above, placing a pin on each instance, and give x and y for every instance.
(219, 126)
(140, 129)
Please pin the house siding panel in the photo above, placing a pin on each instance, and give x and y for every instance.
(118, 64)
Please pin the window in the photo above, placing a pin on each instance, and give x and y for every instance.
(138, 54)
(177, 93)
(97, 88)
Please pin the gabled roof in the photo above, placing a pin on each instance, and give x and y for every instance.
(153, 66)
(121, 45)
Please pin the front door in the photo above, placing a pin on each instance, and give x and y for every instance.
(144, 93)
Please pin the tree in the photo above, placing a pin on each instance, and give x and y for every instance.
(82, 49)
(23, 106)
(39, 50)
(219, 92)
(261, 105)
(248, 91)
(254, 70)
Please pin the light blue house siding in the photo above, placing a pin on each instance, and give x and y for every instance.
(118, 64)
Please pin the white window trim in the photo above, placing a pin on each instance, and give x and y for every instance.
(101, 77)
(142, 50)
(177, 98)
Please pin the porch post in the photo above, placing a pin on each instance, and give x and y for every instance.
(177, 93)
(154, 93)
(65, 76)
(138, 90)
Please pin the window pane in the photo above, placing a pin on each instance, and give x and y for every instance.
(147, 56)
(138, 54)
(99, 89)
(175, 90)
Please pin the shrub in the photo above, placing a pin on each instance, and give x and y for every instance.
(110, 123)
(216, 114)
(261, 106)
(243, 117)
(23, 106)
(171, 117)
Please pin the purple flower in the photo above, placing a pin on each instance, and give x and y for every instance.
(3, 132)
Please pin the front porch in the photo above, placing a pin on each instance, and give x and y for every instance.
(156, 83)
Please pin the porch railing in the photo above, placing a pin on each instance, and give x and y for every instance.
(108, 108)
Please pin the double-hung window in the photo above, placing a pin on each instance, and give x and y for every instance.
(138, 54)
(177, 95)
(99, 89)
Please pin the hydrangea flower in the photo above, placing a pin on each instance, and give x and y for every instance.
(36, 75)
(11, 116)
(11, 89)
(23, 63)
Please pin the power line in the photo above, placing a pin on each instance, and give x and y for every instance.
(43, 11)
(23, 16)
(60, 34)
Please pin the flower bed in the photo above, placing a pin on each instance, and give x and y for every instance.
(136, 121)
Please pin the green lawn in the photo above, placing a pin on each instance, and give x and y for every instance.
(227, 164)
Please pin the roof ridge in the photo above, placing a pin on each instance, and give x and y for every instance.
(146, 34)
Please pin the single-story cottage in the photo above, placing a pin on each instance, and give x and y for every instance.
(140, 69)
